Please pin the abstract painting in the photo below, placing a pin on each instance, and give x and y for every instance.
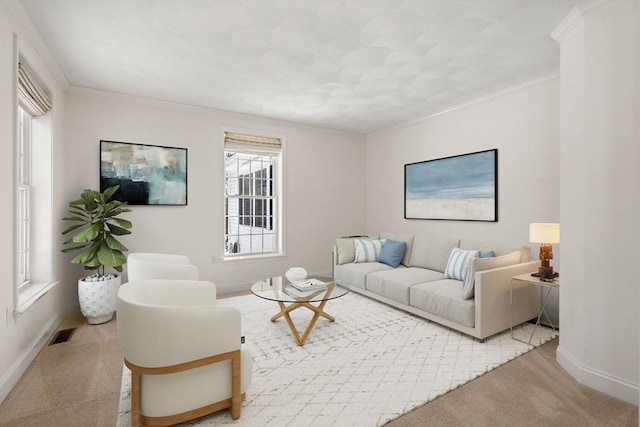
(463, 187)
(147, 174)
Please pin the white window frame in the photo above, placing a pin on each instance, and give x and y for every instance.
(23, 200)
(274, 201)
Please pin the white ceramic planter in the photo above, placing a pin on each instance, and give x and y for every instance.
(98, 299)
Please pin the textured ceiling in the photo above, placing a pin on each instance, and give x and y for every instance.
(358, 66)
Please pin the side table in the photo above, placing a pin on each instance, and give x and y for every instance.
(534, 283)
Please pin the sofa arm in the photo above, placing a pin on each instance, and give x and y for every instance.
(492, 298)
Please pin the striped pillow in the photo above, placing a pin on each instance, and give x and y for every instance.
(458, 264)
(368, 250)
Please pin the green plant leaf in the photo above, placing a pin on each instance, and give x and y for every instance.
(88, 257)
(88, 234)
(118, 231)
(122, 222)
(109, 192)
(110, 257)
(114, 244)
(71, 228)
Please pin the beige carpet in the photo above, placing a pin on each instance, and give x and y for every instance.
(78, 384)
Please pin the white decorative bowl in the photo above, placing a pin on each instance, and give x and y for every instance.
(296, 274)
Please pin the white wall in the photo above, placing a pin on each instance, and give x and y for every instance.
(522, 123)
(323, 170)
(600, 198)
(22, 338)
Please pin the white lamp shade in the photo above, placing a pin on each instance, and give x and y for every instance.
(544, 232)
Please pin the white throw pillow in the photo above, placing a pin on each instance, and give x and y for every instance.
(481, 264)
(367, 250)
(458, 264)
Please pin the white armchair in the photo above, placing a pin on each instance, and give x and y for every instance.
(183, 350)
(144, 265)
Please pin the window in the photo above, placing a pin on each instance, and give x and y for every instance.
(252, 202)
(33, 186)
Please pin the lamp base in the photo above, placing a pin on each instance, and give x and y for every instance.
(547, 276)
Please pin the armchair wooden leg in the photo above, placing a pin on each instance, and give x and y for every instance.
(135, 399)
(236, 394)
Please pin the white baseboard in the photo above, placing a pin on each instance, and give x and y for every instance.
(597, 380)
(22, 364)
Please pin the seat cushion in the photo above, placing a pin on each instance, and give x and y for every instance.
(355, 274)
(395, 284)
(443, 298)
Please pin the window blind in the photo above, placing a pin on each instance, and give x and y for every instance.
(32, 96)
(251, 143)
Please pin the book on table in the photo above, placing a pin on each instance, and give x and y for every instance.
(308, 285)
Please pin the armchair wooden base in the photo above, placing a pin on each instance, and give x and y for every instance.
(233, 403)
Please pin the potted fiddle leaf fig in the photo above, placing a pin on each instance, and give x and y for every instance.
(96, 223)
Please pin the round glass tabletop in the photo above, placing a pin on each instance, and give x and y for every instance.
(280, 289)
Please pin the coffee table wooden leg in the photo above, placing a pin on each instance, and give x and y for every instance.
(318, 311)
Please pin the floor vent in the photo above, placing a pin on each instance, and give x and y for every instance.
(61, 336)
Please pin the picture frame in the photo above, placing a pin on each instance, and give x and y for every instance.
(147, 174)
(458, 188)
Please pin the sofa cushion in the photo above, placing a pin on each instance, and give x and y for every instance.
(458, 264)
(356, 274)
(481, 264)
(431, 252)
(346, 250)
(392, 252)
(443, 298)
(395, 284)
(407, 238)
(367, 250)
(499, 249)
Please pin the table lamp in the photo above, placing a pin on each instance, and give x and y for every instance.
(546, 234)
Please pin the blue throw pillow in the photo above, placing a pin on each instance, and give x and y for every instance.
(392, 253)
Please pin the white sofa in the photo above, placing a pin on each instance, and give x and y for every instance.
(420, 286)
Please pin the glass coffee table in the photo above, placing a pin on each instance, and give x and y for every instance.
(279, 289)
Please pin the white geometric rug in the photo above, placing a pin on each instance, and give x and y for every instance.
(372, 365)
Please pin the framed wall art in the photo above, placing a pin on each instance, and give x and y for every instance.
(147, 174)
(463, 188)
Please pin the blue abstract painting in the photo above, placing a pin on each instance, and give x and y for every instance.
(460, 187)
(147, 174)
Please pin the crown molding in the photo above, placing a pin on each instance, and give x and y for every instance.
(572, 20)
(159, 103)
(577, 15)
(33, 36)
(493, 95)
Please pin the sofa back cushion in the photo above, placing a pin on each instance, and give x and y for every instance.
(346, 250)
(498, 249)
(407, 238)
(432, 252)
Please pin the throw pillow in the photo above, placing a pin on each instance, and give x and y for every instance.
(458, 264)
(486, 254)
(367, 250)
(481, 264)
(392, 253)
